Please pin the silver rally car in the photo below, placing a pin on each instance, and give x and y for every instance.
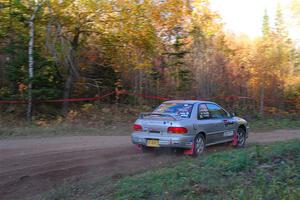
(190, 125)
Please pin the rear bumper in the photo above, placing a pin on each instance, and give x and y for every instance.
(175, 140)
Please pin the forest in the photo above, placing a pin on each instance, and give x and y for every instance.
(173, 49)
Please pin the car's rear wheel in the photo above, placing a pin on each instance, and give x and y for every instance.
(241, 137)
(199, 145)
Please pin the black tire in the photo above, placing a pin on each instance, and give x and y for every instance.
(241, 137)
(199, 145)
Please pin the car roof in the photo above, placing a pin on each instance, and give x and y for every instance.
(188, 101)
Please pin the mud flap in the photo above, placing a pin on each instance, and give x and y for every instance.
(235, 139)
(189, 151)
(138, 147)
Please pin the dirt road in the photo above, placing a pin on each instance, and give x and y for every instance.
(29, 167)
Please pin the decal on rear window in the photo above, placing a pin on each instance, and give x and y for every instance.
(183, 110)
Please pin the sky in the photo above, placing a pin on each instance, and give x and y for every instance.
(245, 16)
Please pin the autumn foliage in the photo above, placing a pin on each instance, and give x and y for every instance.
(173, 48)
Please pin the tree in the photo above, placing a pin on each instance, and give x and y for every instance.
(263, 65)
(206, 58)
(36, 7)
(295, 8)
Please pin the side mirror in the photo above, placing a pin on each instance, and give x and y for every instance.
(233, 114)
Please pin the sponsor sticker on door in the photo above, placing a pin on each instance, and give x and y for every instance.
(228, 133)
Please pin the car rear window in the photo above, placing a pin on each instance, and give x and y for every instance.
(184, 110)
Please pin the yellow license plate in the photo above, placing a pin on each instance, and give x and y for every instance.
(152, 143)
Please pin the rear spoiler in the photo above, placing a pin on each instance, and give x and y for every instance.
(175, 117)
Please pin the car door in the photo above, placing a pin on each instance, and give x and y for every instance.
(229, 125)
(211, 122)
(218, 115)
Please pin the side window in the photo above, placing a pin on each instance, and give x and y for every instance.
(216, 112)
(203, 112)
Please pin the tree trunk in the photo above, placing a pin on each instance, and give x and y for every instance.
(136, 81)
(31, 61)
(73, 73)
(261, 100)
(30, 67)
(6, 56)
(140, 86)
(67, 93)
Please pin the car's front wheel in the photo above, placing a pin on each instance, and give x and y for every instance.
(199, 145)
(241, 137)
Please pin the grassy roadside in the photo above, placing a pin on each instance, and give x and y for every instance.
(119, 128)
(260, 172)
(268, 124)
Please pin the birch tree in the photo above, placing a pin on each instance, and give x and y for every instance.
(36, 7)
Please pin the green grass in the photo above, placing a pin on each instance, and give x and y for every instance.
(260, 172)
(267, 124)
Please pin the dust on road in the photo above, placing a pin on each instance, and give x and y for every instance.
(29, 167)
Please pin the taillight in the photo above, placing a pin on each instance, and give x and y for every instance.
(180, 130)
(137, 127)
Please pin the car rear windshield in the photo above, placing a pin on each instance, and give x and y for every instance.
(184, 110)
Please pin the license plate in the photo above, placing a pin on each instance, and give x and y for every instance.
(153, 143)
